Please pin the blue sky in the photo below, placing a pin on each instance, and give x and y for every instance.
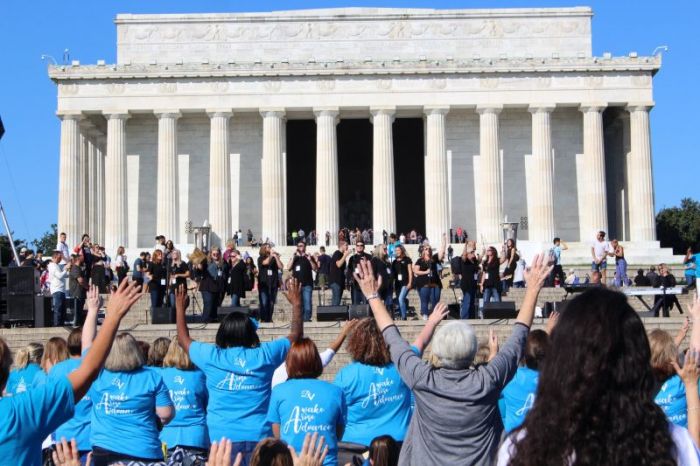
(29, 151)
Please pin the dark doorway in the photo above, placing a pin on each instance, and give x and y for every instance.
(409, 175)
(301, 175)
(355, 173)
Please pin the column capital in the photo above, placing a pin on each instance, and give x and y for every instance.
(326, 111)
(436, 109)
(70, 115)
(117, 114)
(644, 106)
(278, 112)
(541, 108)
(486, 109)
(219, 112)
(167, 114)
(593, 107)
(382, 111)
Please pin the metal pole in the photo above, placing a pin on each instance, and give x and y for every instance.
(9, 233)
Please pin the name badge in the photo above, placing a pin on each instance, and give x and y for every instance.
(162, 281)
(219, 273)
(399, 277)
(486, 276)
(476, 276)
(269, 272)
(388, 271)
(297, 268)
(229, 280)
(173, 280)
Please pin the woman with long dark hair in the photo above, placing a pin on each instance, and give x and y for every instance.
(402, 271)
(235, 284)
(269, 265)
(595, 398)
(178, 273)
(490, 278)
(238, 370)
(211, 275)
(510, 257)
(157, 279)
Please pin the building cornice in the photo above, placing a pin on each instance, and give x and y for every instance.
(361, 68)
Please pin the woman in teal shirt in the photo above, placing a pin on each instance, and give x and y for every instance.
(26, 368)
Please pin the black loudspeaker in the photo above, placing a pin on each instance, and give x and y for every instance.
(161, 315)
(331, 313)
(19, 307)
(43, 315)
(22, 280)
(503, 310)
(359, 311)
(453, 311)
(223, 311)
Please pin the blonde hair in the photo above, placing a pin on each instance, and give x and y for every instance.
(5, 363)
(663, 353)
(125, 355)
(177, 357)
(482, 354)
(55, 351)
(157, 351)
(33, 352)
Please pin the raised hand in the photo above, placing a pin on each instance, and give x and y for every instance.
(695, 310)
(312, 452)
(66, 454)
(220, 454)
(690, 372)
(439, 313)
(551, 322)
(121, 300)
(93, 299)
(181, 297)
(293, 293)
(364, 276)
(493, 344)
(537, 273)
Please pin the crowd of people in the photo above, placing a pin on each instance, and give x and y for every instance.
(591, 388)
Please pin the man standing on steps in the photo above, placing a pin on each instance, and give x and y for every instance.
(336, 274)
(301, 265)
(555, 258)
(355, 291)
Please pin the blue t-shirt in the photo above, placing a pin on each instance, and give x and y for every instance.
(188, 392)
(239, 382)
(137, 273)
(79, 426)
(21, 380)
(124, 411)
(518, 397)
(693, 260)
(302, 406)
(28, 418)
(671, 399)
(379, 403)
(556, 251)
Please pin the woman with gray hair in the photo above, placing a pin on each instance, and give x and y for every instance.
(132, 400)
(456, 418)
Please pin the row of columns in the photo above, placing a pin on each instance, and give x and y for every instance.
(87, 174)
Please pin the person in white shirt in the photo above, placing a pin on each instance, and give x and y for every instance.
(600, 250)
(63, 247)
(58, 273)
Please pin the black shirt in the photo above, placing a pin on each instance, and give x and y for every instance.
(175, 282)
(337, 274)
(268, 274)
(400, 268)
(433, 278)
(301, 270)
(491, 274)
(158, 275)
(236, 284)
(382, 269)
(468, 271)
(324, 264)
(354, 263)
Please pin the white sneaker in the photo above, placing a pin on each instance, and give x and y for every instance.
(425, 317)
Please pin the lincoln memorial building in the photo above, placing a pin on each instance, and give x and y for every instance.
(394, 119)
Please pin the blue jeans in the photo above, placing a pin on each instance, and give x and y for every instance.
(209, 302)
(336, 294)
(235, 300)
(429, 297)
(357, 296)
(306, 292)
(58, 308)
(491, 294)
(242, 447)
(403, 302)
(468, 299)
(267, 296)
(157, 295)
(621, 273)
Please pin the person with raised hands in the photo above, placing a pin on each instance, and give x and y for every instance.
(456, 419)
(238, 371)
(29, 417)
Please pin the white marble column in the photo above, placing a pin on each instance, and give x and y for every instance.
(437, 216)
(639, 178)
(100, 150)
(92, 154)
(594, 213)
(490, 209)
(69, 202)
(116, 193)
(272, 172)
(219, 179)
(541, 217)
(167, 209)
(327, 200)
(83, 180)
(383, 193)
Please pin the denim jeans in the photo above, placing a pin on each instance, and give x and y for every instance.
(58, 307)
(306, 298)
(491, 294)
(157, 297)
(621, 273)
(78, 313)
(267, 296)
(357, 296)
(429, 297)
(235, 300)
(209, 302)
(242, 447)
(467, 309)
(403, 302)
(336, 294)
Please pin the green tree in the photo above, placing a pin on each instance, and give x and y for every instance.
(6, 250)
(679, 227)
(48, 241)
